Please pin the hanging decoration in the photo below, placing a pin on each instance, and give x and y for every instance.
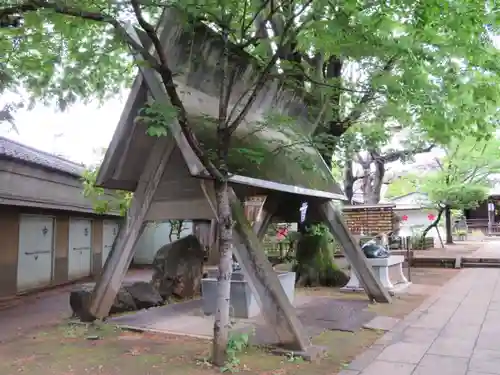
(281, 233)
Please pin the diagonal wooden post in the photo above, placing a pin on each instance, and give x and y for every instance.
(122, 253)
(333, 219)
(276, 308)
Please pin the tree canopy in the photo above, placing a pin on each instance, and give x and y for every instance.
(400, 61)
(466, 173)
(460, 179)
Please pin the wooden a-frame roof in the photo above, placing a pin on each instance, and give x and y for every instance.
(265, 154)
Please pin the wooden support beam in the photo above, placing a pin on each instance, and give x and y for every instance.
(157, 90)
(268, 211)
(333, 219)
(122, 253)
(276, 308)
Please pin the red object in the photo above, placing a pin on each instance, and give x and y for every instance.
(431, 217)
(281, 233)
(404, 217)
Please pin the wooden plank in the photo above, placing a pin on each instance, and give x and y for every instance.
(276, 308)
(122, 254)
(157, 90)
(372, 286)
(111, 163)
(268, 211)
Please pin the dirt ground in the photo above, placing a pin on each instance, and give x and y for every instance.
(59, 348)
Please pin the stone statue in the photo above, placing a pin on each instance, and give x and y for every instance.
(373, 250)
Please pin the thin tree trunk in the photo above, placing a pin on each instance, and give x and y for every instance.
(378, 179)
(449, 234)
(222, 320)
(434, 224)
(349, 181)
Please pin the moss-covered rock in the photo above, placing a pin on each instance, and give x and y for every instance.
(315, 259)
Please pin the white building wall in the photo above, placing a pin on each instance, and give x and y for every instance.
(416, 218)
(155, 236)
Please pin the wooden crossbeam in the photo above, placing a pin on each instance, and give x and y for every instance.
(122, 253)
(333, 219)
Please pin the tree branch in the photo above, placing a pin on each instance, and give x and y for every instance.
(397, 155)
(34, 5)
(264, 75)
(367, 98)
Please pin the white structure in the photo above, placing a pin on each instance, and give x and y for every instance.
(418, 212)
(388, 270)
(156, 235)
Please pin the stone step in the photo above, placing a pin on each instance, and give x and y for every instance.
(480, 265)
(481, 262)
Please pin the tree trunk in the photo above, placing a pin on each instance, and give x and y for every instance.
(434, 224)
(222, 319)
(349, 181)
(372, 180)
(315, 262)
(378, 179)
(449, 234)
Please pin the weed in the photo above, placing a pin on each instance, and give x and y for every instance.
(236, 344)
(290, 357)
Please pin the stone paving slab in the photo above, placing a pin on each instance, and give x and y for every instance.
(382, 323)
(454, 332)
(317, 315)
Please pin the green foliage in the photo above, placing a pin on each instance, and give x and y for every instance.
(459, 195)
(462, 178)
(399, 61)
(104, 202)
(157, 117)
(236, 344)
(60, 59)
(403, 185)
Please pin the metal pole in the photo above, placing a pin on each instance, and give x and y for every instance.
(408, 259)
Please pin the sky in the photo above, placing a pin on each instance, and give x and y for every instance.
(77, 134)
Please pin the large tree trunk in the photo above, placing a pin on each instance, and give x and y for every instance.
(372, 180)
(315, 258)
(222, 320)
(449, 233)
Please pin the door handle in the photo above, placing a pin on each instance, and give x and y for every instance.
(37, 252)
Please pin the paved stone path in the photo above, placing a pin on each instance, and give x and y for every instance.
(489, 249)
(454, 332)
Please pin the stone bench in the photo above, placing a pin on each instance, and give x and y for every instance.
(388, 270)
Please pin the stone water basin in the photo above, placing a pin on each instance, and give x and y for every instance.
(243, 303)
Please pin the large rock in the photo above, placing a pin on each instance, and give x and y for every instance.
(130, 297)
(178, 268)
(124, 302)
(144, 295)
(79, 300)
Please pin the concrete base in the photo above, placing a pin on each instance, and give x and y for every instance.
(388, 270)
(243, 303)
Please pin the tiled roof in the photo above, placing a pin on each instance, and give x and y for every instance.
(18, 151)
